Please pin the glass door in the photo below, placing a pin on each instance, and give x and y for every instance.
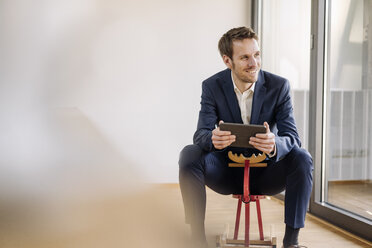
(348, 177)
(340, 132)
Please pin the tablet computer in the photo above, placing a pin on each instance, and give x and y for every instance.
(242, 132)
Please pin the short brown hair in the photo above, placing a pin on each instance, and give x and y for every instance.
(225, 45)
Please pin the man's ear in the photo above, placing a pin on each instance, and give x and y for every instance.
(228, 62)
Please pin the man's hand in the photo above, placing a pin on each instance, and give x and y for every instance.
(222, 139)
(264, 142)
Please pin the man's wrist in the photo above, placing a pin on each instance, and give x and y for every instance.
(273, 153)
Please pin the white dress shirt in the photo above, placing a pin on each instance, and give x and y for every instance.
(245, 104)
(245, 101)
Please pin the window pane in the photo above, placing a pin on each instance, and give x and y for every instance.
(349, 122)
(285, 44)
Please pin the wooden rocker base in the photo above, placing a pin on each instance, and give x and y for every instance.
(240, 243)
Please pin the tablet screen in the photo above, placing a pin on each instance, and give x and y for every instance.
(242, 132)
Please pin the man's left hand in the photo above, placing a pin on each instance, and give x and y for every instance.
(264, 142)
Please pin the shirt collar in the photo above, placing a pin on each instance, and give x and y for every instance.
(236, 88)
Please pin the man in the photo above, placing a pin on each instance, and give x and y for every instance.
(243, 93)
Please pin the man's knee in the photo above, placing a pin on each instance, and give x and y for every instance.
(189, 155)
(302, 159)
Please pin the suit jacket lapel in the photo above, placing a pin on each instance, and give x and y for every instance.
(258, 98)
(228, 90)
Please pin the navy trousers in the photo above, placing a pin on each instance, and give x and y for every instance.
(292, 174)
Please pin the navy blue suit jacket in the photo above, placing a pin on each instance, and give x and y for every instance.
(271, 103)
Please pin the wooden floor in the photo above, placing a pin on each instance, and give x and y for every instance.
(149, 218)
(355, 196)
(221, 209)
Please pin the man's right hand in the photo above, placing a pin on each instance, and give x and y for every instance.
(222, 139)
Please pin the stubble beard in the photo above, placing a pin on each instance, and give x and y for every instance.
(243, 78)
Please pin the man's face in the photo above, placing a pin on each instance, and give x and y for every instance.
(246, 60)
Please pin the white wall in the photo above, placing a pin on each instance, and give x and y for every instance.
(132, 68)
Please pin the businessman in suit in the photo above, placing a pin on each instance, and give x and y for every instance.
(243, 93)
